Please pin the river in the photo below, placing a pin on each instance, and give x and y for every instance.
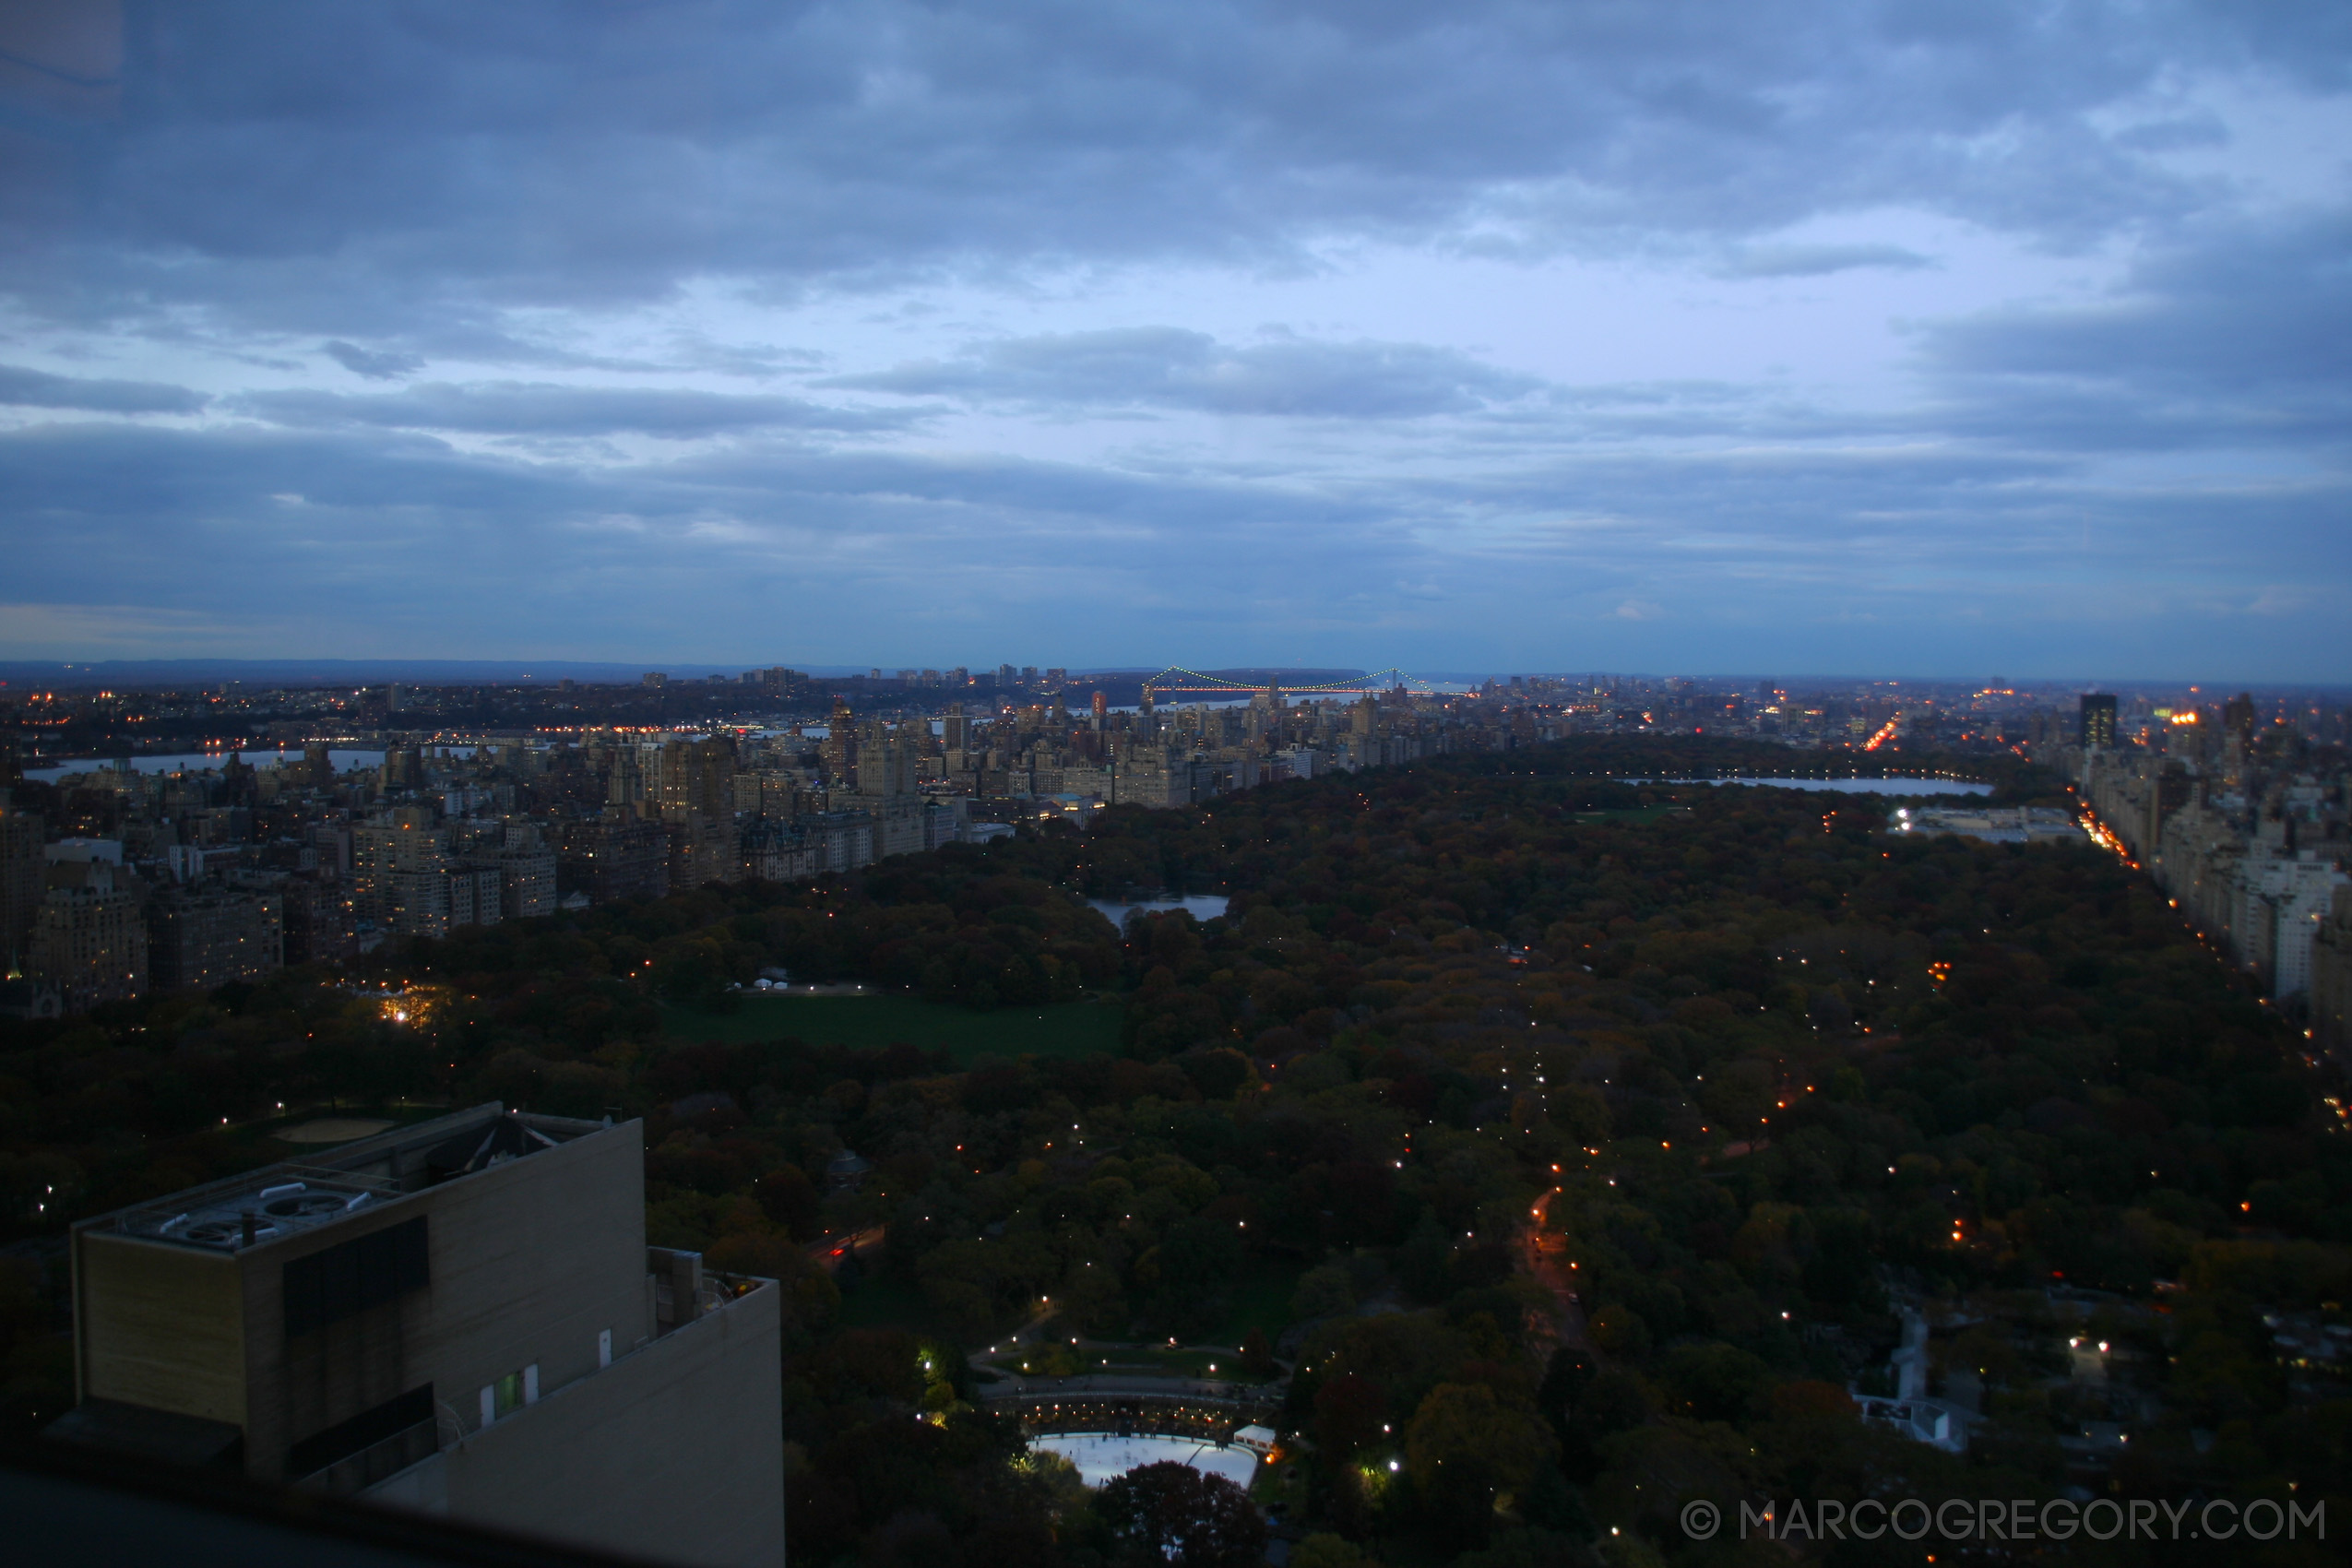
(197, 762)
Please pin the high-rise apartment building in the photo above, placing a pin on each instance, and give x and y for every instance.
(702, 848)
(623, 787)
(90, 940)
(693, 776)
(2096, 729)
(2331, 994)
(2238, 716)
(315, 913)
(526, 868)
(24, 880)
(839, 750)
(409, 882)
(462, 1318)
(403, 767)
(393, 858)
(615, 857)
(201, 938)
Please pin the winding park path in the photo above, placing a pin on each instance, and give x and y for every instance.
(1544, 1254)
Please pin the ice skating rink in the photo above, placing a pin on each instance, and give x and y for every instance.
(1100, 1455)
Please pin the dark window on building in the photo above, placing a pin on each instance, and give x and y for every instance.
(367, 1271)
(360, 1434)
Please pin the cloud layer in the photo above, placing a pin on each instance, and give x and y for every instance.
(513, 408)
(1168, 368)
(1899, 334)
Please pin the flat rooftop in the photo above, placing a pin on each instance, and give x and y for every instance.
(291, 1197)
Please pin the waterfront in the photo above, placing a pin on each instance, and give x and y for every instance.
(197, 762)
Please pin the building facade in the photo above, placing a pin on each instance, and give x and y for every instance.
(90, 941)
(461, 1317)
(2332, 974)
(201, 938)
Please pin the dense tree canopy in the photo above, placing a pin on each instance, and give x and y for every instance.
(1752, 1074)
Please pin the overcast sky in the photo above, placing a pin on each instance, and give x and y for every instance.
(1763, 336)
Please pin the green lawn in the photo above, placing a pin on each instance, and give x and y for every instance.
(1200, 1364)
(885, 1303)
(262, 1132)
(1285, 1483)
(1069, 1029)
(1261, 1298)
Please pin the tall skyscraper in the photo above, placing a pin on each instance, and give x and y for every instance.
(2238, 716)
(840, 748)
(2098, 721)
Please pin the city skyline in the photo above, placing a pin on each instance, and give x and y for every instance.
(23, 678)
(1755, 339)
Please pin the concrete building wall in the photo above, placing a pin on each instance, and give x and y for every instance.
(530, 1261)
(581, 1464)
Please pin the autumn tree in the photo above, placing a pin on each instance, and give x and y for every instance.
(1464, 1445)
(1171, 1513)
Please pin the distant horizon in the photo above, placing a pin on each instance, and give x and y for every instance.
(474, 672)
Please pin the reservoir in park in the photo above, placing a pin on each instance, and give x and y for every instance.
(1200, 906)
(1906, 786)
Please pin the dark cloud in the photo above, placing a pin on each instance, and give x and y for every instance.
(410, 167)
(426, 179)
(406, 538)
(515, 407)
(1815, 261)
(1893, 556)
(1165, 367)
(2234, 340)
(375, 365)
(39, 389)
(2254, 307)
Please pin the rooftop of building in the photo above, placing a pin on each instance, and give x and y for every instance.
(295, 1196)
